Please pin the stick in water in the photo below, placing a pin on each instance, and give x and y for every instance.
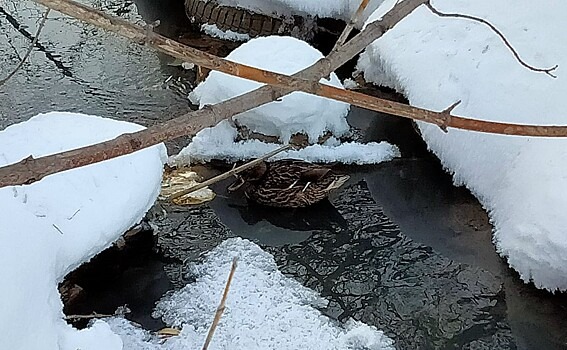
(221, 307)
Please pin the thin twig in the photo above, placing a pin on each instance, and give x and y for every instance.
(499, 33)
(221, 307)
(87, 317)
(58, 229)
(34, 41)
(229, 173)
(350, 25)
(447, 114)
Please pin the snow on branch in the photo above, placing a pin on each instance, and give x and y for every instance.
(547, 71)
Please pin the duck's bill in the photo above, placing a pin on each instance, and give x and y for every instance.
(236, 185)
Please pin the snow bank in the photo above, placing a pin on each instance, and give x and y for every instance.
(295, 113)
(52, 226)
(520, 181)
(265, 310)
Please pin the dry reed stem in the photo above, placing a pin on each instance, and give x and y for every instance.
(221, 307)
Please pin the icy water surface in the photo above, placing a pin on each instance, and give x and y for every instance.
(399, 247)
(79, 68)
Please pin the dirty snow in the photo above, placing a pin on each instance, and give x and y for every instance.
(265, 310)
(214, 31)
(295, 113)
(519, 180)
(52, 226)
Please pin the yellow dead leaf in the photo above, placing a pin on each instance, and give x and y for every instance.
(180, 179)
(168, 332)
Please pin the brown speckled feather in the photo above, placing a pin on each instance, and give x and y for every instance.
(291, 183)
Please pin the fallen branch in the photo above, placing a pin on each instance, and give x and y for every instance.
(497, 32)
(221, 307)
(306, 80)
(30, 49)
(229, 173)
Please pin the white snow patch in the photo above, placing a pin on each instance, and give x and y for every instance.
(521, 181)
(52, 226)
(264, 310)
(218, 143)
(214, 31)
(350, 84)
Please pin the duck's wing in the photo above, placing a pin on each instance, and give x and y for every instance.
(314, 174)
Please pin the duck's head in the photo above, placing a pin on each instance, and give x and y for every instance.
(249, 175)
(255, 173)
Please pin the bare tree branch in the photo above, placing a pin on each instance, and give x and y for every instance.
(87, 317)
(499, 33)
(301, 81)
(350, 25)
(30, 49)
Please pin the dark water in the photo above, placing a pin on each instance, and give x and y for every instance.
(399, 248)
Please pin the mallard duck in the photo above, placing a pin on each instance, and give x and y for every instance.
(288, 183)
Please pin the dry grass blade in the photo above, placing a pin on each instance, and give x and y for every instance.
(87, 317)
(229, 173)
(221, 307)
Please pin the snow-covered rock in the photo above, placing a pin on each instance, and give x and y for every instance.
(52, 226)
(297, 112)
(521, 181)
